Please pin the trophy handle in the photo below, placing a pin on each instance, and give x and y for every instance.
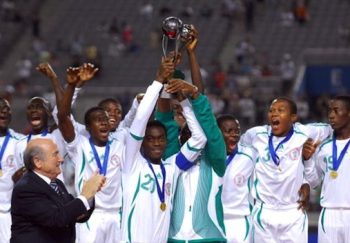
(164, 45)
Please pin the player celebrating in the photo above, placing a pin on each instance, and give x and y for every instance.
(279, 187)
(332, 167)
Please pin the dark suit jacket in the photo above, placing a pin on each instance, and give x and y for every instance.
(39, 214)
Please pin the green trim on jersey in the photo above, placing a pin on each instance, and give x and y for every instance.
(200, 216)
(137, 189)
(83, 164)
(138, 138)
(87, 225)
(325, 142)
(258, 217)
(129, 223)
(247, 226)
(245, 155)
(214, 240)
(322, 219)
(263, 133)
(17, 138)
(192, 148)
(132, 211)
(220, 209)
(178, 212)
(300, 133)
(256, 190)
(81, 171)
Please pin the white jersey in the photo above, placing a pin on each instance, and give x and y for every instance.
(334, 193)
(8, 167)
(143, 219)
(237, 183)
(81, 153)
(278, 186)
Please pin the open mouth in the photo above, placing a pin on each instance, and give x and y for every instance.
(112, 121)
(104, 132)
(35, 121)
(157, 152)
(275, 124)
(232, 144)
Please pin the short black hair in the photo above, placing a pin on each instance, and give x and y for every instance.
(89, 112)
(343, 98)
(292, 105)
(108, 100)
(225, 117)
(156, 123)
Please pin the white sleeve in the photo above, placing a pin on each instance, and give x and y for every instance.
(72, 148)
(313, 171)
(138, 126)
(247, 137)
(194, 145)
(74, 98)
(319, 131)
(129, 117)
(20, 147)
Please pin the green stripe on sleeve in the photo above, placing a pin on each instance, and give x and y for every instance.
(136, 137)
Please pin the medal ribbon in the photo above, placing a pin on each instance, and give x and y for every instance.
(231, 156)
(43, 134)
(274, 156)
(102, 168)
(3, 147)
(337, 161)
(160, 191)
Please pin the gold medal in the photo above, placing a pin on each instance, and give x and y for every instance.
(279, 168)
(333, 174)
(162, 206)
(0, 173)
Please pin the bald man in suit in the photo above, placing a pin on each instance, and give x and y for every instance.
(42, 209)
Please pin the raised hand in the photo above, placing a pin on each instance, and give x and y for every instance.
(309, 148)
(166, 70)
(87, 71)
(139, 97)
(181, 87)
(46, 69)
(73, 75)
(193, 40)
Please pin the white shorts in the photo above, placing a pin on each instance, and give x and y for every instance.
(238, 229)
(279, 225)
(334, 225)
(5, 227)
(101, 227)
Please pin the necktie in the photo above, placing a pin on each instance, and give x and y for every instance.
(54, 186)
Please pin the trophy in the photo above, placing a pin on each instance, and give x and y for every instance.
(175, 36)
(175, 33)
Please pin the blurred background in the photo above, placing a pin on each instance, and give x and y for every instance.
(250, 52)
